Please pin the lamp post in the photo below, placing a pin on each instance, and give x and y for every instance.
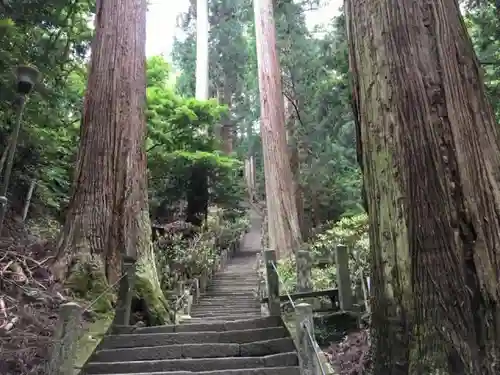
(26, 78)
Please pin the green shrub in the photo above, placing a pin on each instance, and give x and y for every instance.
(186, 251)
(350, 231)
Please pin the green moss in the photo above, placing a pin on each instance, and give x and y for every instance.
(87, 281)
(156, 303)
(90, 338)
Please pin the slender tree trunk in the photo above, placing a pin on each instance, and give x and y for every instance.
(5, 153)
(430, 156)
(108, 211)
(284, 231)
(202, 29)
(293, 153)
(227, 126)
(28, 199)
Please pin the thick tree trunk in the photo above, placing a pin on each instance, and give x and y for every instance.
(108, 210)
(430, 156)
(284, 230)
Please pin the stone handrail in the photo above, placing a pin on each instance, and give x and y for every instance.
(64, 347)
(312, 360)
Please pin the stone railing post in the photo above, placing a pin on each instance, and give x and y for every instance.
(64, 347)
(188, 301)
(196, 287)
(258, 262)
(273, 287)
(223, 258)
(303, 319)
(304, 271)
(312, 359)
(125, 292)
(343, 277)
(204, 280)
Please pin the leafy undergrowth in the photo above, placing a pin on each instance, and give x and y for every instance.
(351, 355)
(29, 305)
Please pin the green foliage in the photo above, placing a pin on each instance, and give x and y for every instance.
(350, 231)
(483, 24)
(180, 134)
(53, 36)
(182, 256)
(315, 79)
(170, 178)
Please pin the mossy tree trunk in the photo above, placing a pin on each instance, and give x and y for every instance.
(430, 155)
(108, 210)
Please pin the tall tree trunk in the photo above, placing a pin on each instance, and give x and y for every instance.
(284, 231)
(294, 158)
(430, 155)
(108, 211)
(227, 126)
(250, 163)
(202, 28)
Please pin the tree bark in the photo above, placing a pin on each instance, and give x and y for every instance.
(202, 60)
(227, 126)
(430, 155)
(27, 202)
(284, 230)
(108, 210)
(294, 158)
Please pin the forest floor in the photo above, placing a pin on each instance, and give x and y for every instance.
(29, 305)
(351, 355)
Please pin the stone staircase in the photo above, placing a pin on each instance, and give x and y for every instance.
(226, 334)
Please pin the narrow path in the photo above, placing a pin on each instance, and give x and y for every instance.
(231, 296)
(226, 336)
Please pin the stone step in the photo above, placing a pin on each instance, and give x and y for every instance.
(236, 325)
(222, 318)
(229, 299)
(236, 291)
(249, 371)
(225, 312)
(158, 339)
(217, 319)
(232, 285)
(226, 315)
(246, 314)
(227, 308)
(194, 365)
(229, 293)
(215, 350)
(238, 275)
(227, 303)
